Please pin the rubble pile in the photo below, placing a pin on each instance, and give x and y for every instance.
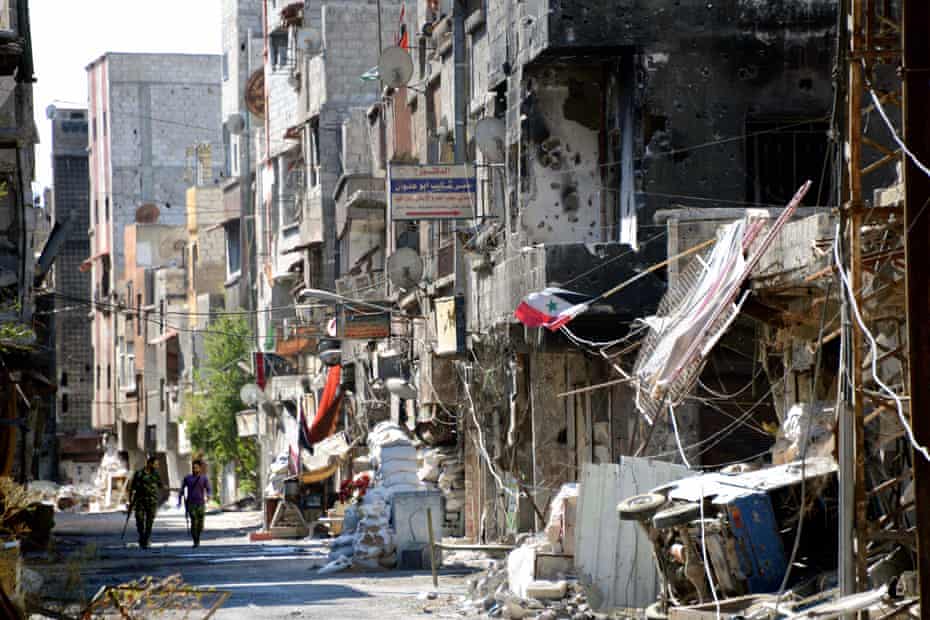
(111, 468)
(67, 498)
(491, 593)
(441, 468)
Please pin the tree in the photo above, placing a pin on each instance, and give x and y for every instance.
(211, 417)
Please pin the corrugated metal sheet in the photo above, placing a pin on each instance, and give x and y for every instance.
(613, 557)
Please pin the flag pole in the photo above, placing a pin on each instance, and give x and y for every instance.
(653, 268)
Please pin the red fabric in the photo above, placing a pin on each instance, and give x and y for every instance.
(327, 412)
(260, 370)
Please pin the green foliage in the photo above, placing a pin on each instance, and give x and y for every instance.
(211, 418)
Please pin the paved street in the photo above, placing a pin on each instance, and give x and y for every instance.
(271, 580)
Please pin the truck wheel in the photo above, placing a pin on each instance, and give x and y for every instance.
(677, 515)
(640, 507)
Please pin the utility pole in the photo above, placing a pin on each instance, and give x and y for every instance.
(874, 235)
(915, 24)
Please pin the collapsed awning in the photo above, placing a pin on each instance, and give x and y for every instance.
(89, 262)
(171, 333)
(327, 411)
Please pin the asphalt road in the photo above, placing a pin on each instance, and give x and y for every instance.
(265, 580)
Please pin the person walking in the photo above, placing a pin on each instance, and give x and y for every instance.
(195, 491)
(144, 494)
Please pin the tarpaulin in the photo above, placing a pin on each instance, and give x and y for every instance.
(327, 411)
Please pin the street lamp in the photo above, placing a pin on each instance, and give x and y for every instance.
(317, 293)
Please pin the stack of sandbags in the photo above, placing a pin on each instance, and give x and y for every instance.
(394, 457)
(441, 468)
(374, 538)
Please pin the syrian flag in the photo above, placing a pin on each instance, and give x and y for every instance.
(550, 308)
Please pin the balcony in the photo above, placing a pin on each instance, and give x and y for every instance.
(359, 197)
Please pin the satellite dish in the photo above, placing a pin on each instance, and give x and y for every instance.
(405, 268)
(401, 388)
(235, 124)
(50, 112)
(147, 214)
(489, 136)
(395, 67)
(250, 394)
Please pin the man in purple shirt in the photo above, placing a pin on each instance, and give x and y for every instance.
(198, 491)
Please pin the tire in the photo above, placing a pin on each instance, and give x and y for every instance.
(640, 507)
(676, 515)
(654, 612)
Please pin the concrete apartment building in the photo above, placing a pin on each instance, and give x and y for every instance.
(598, 108)
(78, 442)
(152, 117)
(317, 53)
(242, 58)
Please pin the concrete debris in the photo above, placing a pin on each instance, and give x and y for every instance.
(817, 420)
(111, 481)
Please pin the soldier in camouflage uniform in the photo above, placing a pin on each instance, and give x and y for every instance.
(143, 498)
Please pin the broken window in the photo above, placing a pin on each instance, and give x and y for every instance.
(782, 154)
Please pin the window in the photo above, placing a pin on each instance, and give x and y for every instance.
(280, 59)
(233, 259)
(64, 379)
(96, 211)
(105, 279)
(109, 378)
(161, 395)
(106, 208)
(104, 123)
(64, 403)
(161, 315)
(139, 313)
(93, 123)
(98, 376)
(313, 153)
(225, 66)
(780, 155)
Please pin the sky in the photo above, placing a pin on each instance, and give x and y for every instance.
(68, 34)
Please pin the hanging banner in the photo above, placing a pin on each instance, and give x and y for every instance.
(438, 192)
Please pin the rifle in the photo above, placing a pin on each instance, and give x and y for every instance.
(128, 512)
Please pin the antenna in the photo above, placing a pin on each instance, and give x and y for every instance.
(395, 67)
(405, 268)
(489, 136)
(50, 112)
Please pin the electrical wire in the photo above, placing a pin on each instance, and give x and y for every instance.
(482, 449)
(681, 450)
(874, 350)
